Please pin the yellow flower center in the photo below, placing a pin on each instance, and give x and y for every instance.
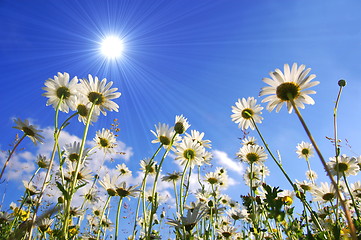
(342, 167)
(252, 157)
(63, 92)
(82, 110)
(247, 113)
(103, 142)
(96, 98)
(287, 88)
(28, 131)
(189, 154)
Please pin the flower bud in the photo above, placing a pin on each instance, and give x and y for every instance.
(342, 83)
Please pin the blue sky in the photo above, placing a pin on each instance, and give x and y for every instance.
(186, 57)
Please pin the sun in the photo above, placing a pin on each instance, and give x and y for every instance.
(112, 47)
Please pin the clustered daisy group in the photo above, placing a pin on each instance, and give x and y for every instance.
(89, 200)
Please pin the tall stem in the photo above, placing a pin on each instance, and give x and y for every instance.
(11, 153)
(117, 218)
(344, 207)
(181, 189)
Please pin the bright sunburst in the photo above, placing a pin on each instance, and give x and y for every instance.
(112, 47)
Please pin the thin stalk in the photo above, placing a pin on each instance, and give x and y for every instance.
(314, 216)
(337, 149)
(56, 138)
(75, 174)
(176, 194)
(352, 198)
(117, 218)
(101, 216)
(344, 207)
(154, 201)
(11, 153)
(181, 189)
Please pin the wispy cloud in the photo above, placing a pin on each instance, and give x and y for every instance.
(222, 159)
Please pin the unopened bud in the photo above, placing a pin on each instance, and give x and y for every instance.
(342, 83)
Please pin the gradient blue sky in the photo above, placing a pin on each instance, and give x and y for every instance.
(186, 57)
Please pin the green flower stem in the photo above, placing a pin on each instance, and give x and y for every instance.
(75, 174)
(154, 201)
(11, 153)
(117, 218)
(352, 198)
(144, 183)
(344, 207)
(337, 149)
(102, 215)
(302, 199)
(187, 187)
(46, 180)
(181, 202)
(176, 194)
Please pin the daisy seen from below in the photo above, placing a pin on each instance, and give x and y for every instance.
(246, 110)
(189, 151)
(99, 93)
(82, 106)
(198, 137)
(181, 124)
(311, 175)
(72, 150)
(343, 165)
(109, 184)
(148, 166)
(252, 154)
(29, 130)
(324, 193)
(249, 141)
(123, 170)
(292, 83)
(163, 134)
(304, 150)
(105, 140)
(60, 88)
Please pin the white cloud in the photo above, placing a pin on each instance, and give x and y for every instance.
(223, 160)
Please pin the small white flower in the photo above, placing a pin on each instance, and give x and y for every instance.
(190, 151)
(343, 165)
(304, 150)
(198, 137)
(252, 154)
(105, 140)
(60, 88)
(181, 124)
(246, 110)
(292, 82)
(99, 93)
(29, 130)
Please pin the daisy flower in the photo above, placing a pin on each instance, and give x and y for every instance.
(311, 175)
(82, 106)
(148, 166)
(356, 189)
(343, 165)
(290, 83)
(163, 134)
(212, 178)
(181, 124)
(172, 177)
(249, 141)
(124, 170)
(190, 221)
(105, 140)
(305, 185)
(60, 88)
(109, 184)
(30, 188)
(124, 191)
(226, 232)
(44, 224)
(42, 162)
(72, 150)
(252, 154)
(198, 137)
(99, 93)
(29, 130)
(246, 110)
(326, 192)
(304, 150)
(190, 151)
(84, 173)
